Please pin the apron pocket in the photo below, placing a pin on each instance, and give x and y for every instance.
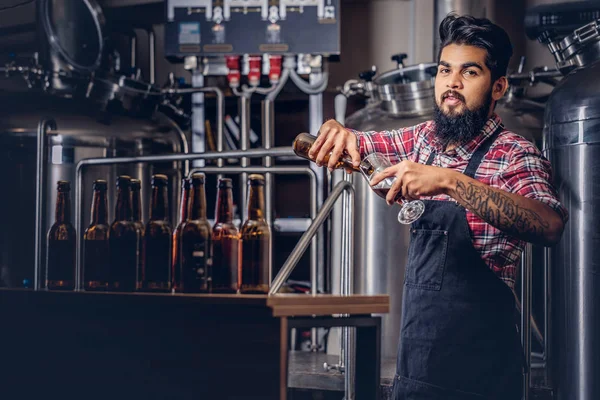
(426, 259)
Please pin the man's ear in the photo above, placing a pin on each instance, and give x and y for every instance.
(499, 88)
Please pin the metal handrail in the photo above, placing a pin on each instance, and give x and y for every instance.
(304, 241)
(255, 153)
(46, 124)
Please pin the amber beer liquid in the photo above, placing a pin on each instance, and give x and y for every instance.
(226, 240)
(256, 241)
(195, 246)
(61, 242)
(156, 271)
(176, 239)
(124, 240)
(95, 242)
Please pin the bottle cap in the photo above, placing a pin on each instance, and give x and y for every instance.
(224, 183)
(124, 181)
(186, 183)
(198, 178)
(256, 180)
(63, 186)
(136, 184)
(160, 180)
(100, 184)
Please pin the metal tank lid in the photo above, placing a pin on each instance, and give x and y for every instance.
(74, 30)
(578, 49)
(406, 90)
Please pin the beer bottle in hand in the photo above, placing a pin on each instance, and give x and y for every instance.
(124, 239)
(195, 246)
(256, 241)
(61, 242)
(95, 242)
(302, 144)
(136, 206)
(156, 271)
(176, 240)
(225, 239)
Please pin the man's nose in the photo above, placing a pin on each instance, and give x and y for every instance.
(454, 81)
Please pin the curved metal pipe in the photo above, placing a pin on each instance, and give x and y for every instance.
(307, 237)
(44, 126)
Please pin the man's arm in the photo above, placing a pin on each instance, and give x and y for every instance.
(525, 218)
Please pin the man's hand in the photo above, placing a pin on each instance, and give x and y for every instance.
(334, 139)
(414, 180)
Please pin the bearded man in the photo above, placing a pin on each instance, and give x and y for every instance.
(487, 191)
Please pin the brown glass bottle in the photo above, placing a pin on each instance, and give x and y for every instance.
(156, 271)
(95, 242)
(226, 242)
(136, 207)
(61, 243)
(124, 241)
(256, 241)
(195, 246)
(176, 239)
(302, 144)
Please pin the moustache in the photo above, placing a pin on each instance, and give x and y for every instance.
(453, 94)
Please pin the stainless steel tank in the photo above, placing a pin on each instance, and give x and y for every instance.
(572, 143)
(82, 133)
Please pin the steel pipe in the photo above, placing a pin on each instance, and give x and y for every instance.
(45, 125)
(526, 314)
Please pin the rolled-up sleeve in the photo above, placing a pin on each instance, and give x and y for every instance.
(529, 174)
(397, 144)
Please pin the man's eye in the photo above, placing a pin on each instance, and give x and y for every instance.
(470, 72)
(444, 70)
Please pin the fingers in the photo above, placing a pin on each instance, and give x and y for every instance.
(394, 191)
(352, 149)
(386, 173)
(325, 150)
(322, 136)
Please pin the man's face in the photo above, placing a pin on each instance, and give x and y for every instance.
(463, 81)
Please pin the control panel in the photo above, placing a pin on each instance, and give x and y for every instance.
(226, 27)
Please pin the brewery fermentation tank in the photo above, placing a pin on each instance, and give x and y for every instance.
(82, 133)
(572, 143)
(401, 98)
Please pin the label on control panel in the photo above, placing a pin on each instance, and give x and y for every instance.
(189, 33)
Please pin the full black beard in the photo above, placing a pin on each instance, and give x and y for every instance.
(460, 129)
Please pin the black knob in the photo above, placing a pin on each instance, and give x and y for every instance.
(399, 58)
(367, 76)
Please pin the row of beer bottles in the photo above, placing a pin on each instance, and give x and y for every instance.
(127, 255)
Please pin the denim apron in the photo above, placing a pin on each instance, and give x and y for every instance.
(459, 338)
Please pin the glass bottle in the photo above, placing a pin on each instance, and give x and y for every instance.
(176, 239)
(61, 243)
(256, 241)
(156, 269)
(124, 241)
(136, 207)
(95, 242)
(302, 144)
(226, 242)
(196, 261)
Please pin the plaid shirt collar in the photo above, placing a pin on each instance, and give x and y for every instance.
(466, 150)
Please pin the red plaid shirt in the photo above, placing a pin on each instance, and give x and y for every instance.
(512, 164)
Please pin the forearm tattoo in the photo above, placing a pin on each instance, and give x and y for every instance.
(501, 211)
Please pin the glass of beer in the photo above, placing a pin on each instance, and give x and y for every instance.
(375, 163)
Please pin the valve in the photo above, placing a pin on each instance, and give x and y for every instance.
(254, 70)
(233, 75)
(399, 58)
(368, 75)
(274, 68)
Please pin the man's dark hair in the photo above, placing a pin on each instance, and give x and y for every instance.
(482, 33)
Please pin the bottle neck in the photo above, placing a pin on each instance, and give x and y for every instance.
(197, 208)
(303, 144)
(99, 208)
(256, 203)
(183, 207)
(62, 213)
(123, 211)
(136, 205)
(160, 204)
(224, 212)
